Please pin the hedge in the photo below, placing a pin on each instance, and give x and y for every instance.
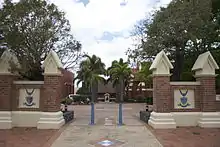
(75, 98)
(148, 100)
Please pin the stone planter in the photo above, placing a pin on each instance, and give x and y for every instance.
(68, 116)
(145, 115)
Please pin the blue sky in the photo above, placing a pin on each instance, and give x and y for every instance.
(104, 26)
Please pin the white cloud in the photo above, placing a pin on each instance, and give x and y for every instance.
(110, 50)
(88, 23)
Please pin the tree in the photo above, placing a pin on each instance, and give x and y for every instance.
(119, 72)
(31, 29)
(89, 73)
(184, 29)
(144, 73)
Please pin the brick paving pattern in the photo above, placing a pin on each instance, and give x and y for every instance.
(188, 137)
(25, 137)
(133, 134)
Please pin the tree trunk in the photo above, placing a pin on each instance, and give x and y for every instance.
(178, 65)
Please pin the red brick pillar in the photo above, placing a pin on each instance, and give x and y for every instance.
(6, 82)
(6, 86)
(161, 94)
(208, 93)
(204, 68)
(52, 117)
(161, 116)
(52, 93)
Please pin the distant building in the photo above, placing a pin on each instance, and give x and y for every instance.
(133, 90)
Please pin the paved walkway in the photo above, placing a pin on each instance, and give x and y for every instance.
(109, 136)
(132, 134)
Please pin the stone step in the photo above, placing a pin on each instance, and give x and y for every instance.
(108, 122)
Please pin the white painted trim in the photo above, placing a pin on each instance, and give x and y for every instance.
(185, 83)
(186, 118)
(52, 74)
(205, 75)
(6, 74)
(173, 119)
(162, 120)
(209, 120)
(218, 97)
(29, 82)
(51, 120)
(5, 120)
(161, 75)
(25, 118)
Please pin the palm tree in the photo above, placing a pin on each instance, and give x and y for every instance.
(90, 70)
(119, 72)
(143, 75)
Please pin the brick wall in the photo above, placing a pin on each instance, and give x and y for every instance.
(5, 92)
(161, 94)
(208, 94)
(67, 83)
(52, 93)
(197, 97)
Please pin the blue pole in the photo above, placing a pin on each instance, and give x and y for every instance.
(120, 115)
(92, 114)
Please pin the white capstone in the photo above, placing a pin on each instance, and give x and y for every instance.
(5, 120)
(52, 64)
(6, 59)
(162, 120)
(51, 120)
(205, 65)
(185, 83)
(161, 64)
(209, 120)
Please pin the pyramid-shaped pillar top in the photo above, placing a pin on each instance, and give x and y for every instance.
(7, 58)
(205, 65)
(161, 64)
(52, 64)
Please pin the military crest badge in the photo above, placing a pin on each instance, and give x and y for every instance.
(29, 98)
(183, 99)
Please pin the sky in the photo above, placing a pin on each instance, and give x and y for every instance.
(104, 26)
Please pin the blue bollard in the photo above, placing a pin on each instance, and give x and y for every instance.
(120, 122)
(92, 114)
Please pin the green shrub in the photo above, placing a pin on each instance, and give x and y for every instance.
(66, 101)
(140, 98)
(149, 101)
(78, 98)
(131, 100)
